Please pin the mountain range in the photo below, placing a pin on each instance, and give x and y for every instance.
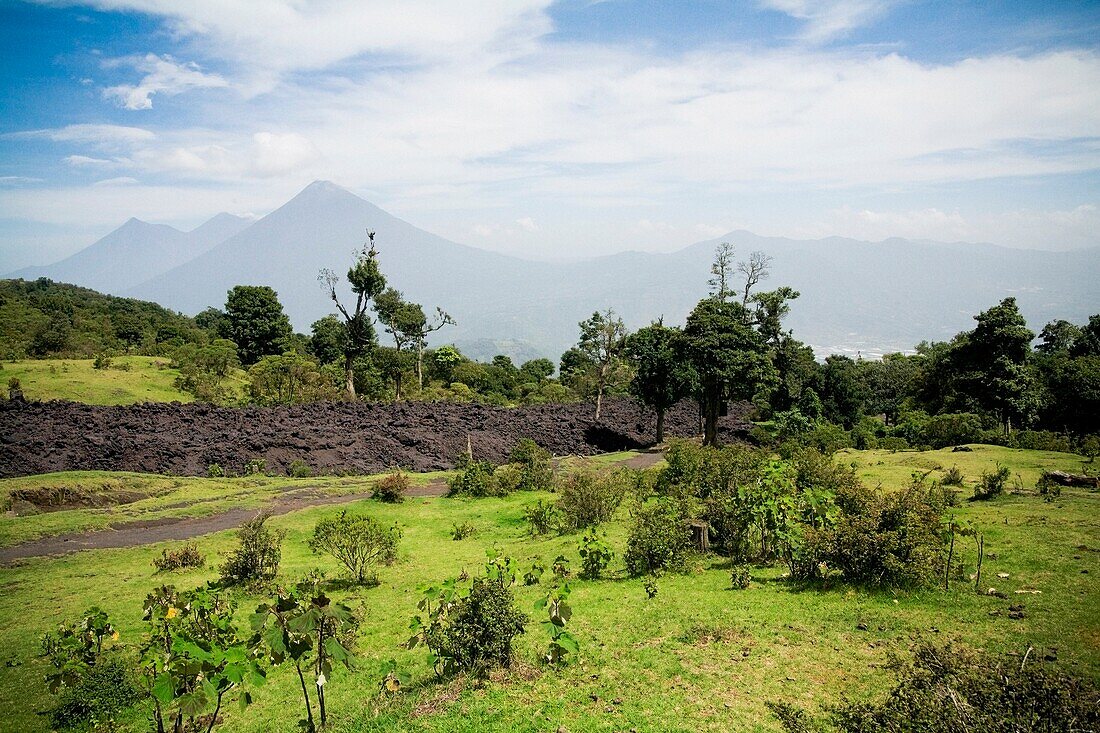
(856, 296)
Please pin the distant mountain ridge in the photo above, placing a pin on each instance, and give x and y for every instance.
(855, 296)
(135, 252)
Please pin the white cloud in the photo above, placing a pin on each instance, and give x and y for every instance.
(527, 224)
(825, 20)
(100, 136)
(162, 75)
(117, 181)
(80, 161)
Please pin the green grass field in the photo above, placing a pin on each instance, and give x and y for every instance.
(697, 657)
(131, 379)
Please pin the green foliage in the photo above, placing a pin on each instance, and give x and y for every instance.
(256, 322)
(299, 469)
(587, 498)
(76, 647)
(534, 575)
(214, 470)
(358, 542)
(880, 538)
(256, 558)
(255, 467)
(288, 379)
(542, 517)
(740, 577)
(595, 554)
(659, 538)
(952, 477)
(536, 470)
(102, 361)
(307, 628)
(661, 377)
(187, 556)
(558, 611)
(470, 628)
(101, 692)
(991, 483)
(204, 368)
(392, 487)
(462, 531)
(951, 689)
(650, 586)
(602, 364)
(475, 479)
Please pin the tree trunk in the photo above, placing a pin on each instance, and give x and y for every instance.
(660, 426)
(397, 386)
(305, 693)
(599, 401)
(712, 407)
(420, 364)
(349, 376)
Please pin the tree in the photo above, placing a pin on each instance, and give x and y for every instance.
(536, 370)
(1087, 342)
(843, 394)
(1058, 336)
(771, 308)
(444, 360)
(992, 364)
(729, 357)
(661, 376)
(754, 270)
(287, 380)
(721, 269)
(367, 282)
(889, 383)
(602, 341)
(358, 542)
(328, 341)
(256, 322)
(406, 322)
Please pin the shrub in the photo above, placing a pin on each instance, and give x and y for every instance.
(1048, 489)
(256, 559)
(827, 438)
(740, 577)
(508, 478)
(952, 477)
(650, 586)
(536, 470)
(475, 479)
(477, 631)
(587, 498)
(534, 575)
(299, 469)
(882, 539)
(659, 538)
(102, 361)
(1043, 440)
(595, 554)
(358, 542)
(187, 556)
(101, 692)
(392, 487)
(949, 688)
(462, 531)
(893, 443)
(991, 484)
(215, 471)
(255, 467)
(543, 517)
(952, 429)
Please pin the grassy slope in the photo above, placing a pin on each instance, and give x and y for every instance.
(698, 657)
(148, 379)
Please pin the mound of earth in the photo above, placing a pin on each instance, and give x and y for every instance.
(354, 437)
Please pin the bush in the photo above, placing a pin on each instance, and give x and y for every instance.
(358, 542)
(587, 498)
(187, 556)
(991, 484)
(952, 429)
(475, 479)
(543, 517)
(462, 531)
(882, 539)
(949, 688)
(659, 538)
(1043, 440)
(392, 487)
(740, 577)
(595, 554)
(255, 467)
(102, 361)
(537, 472)
(827, 438)
(215, 471)
(102, 691)
(893, 443)
(477, 631)
(299, 469)
(256, 559)
(508, 478)
(534, 575)
(952, 477)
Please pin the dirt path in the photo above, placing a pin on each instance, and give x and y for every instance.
(148, 531)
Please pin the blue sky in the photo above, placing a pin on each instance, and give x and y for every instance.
(556, 130)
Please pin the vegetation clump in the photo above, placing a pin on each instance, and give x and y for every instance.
(475, 479)
(542, 517)
(536, 470)
(392, 487)
(358, 542)
(595, 554)
(187, 556)
(256, 558)
(659, 538)
(991, 484)
(587, 498)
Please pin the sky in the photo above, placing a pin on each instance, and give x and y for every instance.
(556, 130)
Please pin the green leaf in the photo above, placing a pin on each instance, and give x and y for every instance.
(164, 689)
(246, 699)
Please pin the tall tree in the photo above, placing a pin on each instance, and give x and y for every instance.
(728, 355)
(406, 322)
(602, 341)
(256, 322)
(843, 394)
(755, 269)
(661, 376)
(367, 282)
(722, 271)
